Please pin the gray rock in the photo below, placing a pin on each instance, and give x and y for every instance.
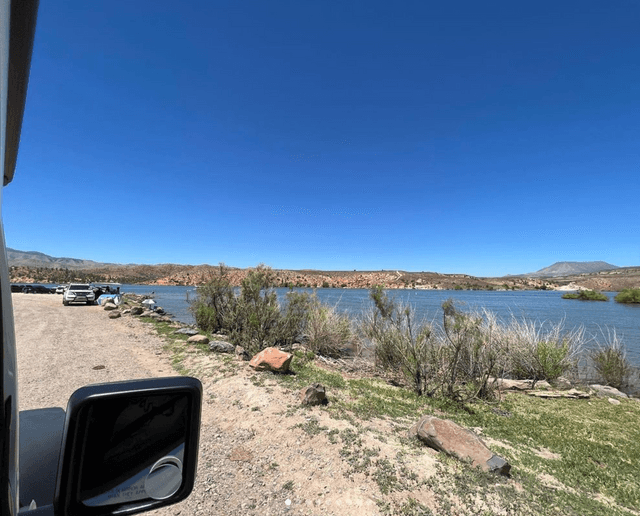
(186, 331)
(448, 437)
(220, 346)
(136, 310)
(605, 390)
(110, 306)
(315, 394)
(114, 315)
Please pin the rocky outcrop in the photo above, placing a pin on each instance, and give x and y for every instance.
(448, 437)
(271, 359)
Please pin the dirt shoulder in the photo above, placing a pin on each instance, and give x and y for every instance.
(259, 454)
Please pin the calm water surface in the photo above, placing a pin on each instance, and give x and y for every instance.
(540, 306)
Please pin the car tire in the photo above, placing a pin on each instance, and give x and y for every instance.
(65, 302)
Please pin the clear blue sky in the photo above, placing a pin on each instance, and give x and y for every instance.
(487, 138)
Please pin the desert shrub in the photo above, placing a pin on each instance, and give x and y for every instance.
(254, 318)
(474, 353)
(400, 344)
(610, 362)
(328, 332)
(539, 351)
(294, 318)
(629, 295)
(214, 308)
(257, 317)
(586, 295)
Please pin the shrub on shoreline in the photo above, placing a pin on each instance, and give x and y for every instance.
(586, 295)
(254, 319)
(629, 295)
(611, 363)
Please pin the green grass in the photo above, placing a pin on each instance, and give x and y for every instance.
(629, 295)
(586, 295)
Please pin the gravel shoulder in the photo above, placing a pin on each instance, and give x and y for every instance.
(257, 453)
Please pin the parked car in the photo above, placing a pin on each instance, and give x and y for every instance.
(119, 448)
(78, 293)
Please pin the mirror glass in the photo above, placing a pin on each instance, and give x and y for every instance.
(133, 449)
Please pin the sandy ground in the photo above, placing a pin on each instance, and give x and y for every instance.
(254, 459)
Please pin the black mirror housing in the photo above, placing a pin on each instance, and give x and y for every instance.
(129, 447)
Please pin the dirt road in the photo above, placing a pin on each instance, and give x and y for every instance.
(255, 455)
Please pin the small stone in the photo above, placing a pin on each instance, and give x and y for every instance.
(614, 401)
(114, 315)
(314, 395)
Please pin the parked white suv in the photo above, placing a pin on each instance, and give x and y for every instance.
(78, 293)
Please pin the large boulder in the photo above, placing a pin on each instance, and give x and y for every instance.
(136, 310)
(110, 306)
(448, 437)
(271, 359)
(114, 315)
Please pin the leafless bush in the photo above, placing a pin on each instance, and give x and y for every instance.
(400, 344)
(539, 351)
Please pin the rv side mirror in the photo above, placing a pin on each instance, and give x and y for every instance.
(129, 447)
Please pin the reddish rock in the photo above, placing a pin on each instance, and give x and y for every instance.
(446, 436)
(271, 359)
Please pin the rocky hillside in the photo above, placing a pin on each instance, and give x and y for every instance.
(34, 267)
(171, 274)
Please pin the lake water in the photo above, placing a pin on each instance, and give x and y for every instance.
(540, 306)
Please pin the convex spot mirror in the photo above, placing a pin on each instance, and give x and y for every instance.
(129, 447)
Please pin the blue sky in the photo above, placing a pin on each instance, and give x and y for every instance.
(487, 138)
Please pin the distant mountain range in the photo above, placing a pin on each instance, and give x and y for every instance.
(571, 269)
(36, 259)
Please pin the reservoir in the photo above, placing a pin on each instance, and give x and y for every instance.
(597, 317)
